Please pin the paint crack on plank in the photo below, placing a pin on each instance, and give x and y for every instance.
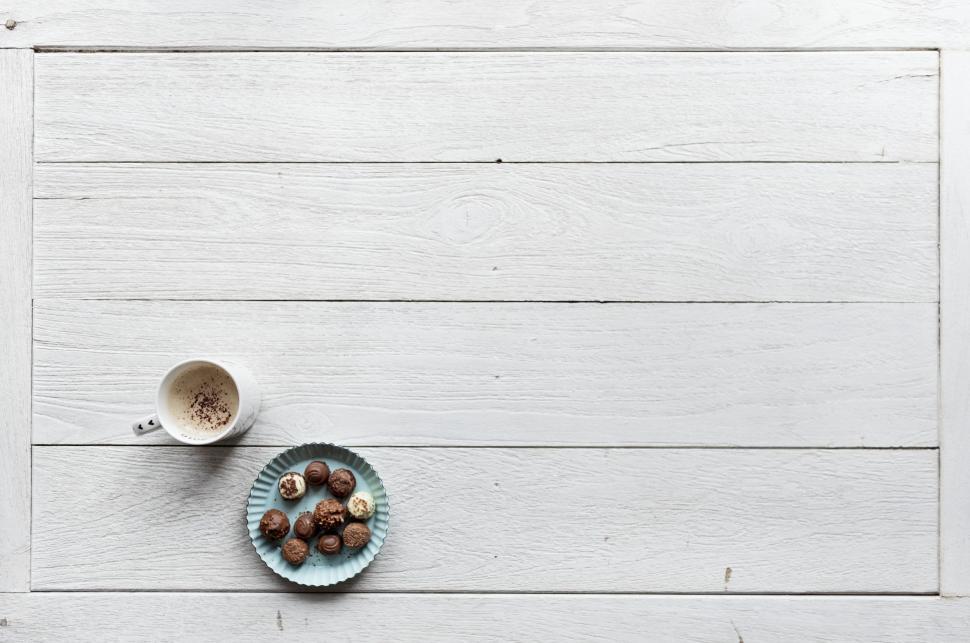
(279, 620)
(727, 577)
(738, 632)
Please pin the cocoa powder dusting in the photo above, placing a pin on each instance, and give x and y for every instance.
(204, 400)
(209, 407)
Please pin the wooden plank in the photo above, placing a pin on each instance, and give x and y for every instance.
(954, 323)
(565, 520)
(515, 374)
(424, 24)
(482, 617)
(553, 106)
(724, 232)
(16, 91)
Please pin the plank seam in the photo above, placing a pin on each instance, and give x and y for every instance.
(497, 592)
(16, 340)
(94, 49)
(939, 322)
(738, 595)
(660, 302)
(482, 162)
(954, 487)
(506, 447)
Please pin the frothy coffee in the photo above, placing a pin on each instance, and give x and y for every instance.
(204, 400)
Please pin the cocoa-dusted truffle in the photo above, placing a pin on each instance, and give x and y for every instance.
(342, 483)
(295, 551)
(292, 485)
(317, 473)
(329, 545)
(361, 505)
(274, 524)
(305, 526)
(356, 535)
(329, 514)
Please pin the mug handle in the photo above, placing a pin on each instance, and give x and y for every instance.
(146, 425)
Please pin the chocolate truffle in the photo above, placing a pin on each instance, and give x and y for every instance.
(274, 524)
(329, 545)
(317, 473)
(356, 535)
(292, 485)
(295, 551)
(305, 526)
(329, 514)
(342, 483)
(361, 505)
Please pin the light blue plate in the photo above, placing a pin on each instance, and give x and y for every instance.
(318, 570)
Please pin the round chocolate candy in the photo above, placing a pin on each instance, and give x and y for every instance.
(329, 514)
(295, 551)
(342, 483)
(317, 473)
(305, 526)
(274, 524)
(329, 545)
(356, 535)
(292, 485)
(361, 505)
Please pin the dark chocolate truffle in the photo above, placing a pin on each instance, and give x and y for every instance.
(329, 545)
(292, 485)
(305, 526)
(342, 483)
(295, 551)
(317, 473)
(329, 514)
(356, 535)
(274, 524)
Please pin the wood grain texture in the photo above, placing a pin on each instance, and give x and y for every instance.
(551, 106)
(481, 617)
(424, 24)
(954, 325)
(723, 232)
(16, 90)
(516, 374)
(581, 520)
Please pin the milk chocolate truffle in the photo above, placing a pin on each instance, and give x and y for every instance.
(329, 514)
(329, 545)
(295, 551)
(361, 505)
(356, 535)
(342, 483)
(317, 473)
(274, 524)
(305, 526)
(292, 485)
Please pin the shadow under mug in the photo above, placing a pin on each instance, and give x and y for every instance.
(164, 419)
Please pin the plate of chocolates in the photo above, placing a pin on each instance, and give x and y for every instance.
(317, 514)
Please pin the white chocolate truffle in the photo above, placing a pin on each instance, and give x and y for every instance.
(361, 505)
(292, 485)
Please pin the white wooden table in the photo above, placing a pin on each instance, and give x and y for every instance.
(653, 315)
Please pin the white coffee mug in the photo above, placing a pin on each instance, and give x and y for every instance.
(165, 419)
